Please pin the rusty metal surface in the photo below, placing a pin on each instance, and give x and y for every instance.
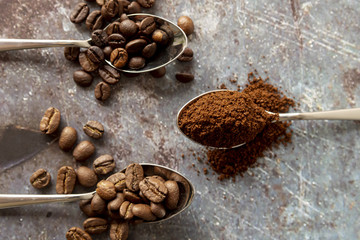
(306, 190)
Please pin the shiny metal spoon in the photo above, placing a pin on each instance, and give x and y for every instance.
(341, 114)
(171, 53)
(186, 192)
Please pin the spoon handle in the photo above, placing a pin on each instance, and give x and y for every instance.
(18, 44)
(342, 114)
(17, 200)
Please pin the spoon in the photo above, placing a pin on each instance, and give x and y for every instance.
(186, 192)
(341, 114)
(171, 53)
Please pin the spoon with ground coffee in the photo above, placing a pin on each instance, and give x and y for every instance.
(172, 51)
(226, 119)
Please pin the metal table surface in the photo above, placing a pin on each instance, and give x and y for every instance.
(306, 190)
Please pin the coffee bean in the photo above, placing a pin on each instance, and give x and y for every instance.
(94, 21)
(134, 174)
(109, 74)
(166, 28)
(125, 4)
(148, 25)
(186, 24)
(184, 77)
(104, 164)
(135, 46)
(116, 40)
(149, 50)
(110, 9)
(119, 230)
(71, 53)
(95, 54)
(143, 198)
(159, 178)
(128, 28)
(119, 57)
(133, 7)
(66, 179)
(86, 176)
(107, 52)
(102, 91)
(114, 205)
(172, 197)
(113, 28)
(123, 16)
(85, 206)
(80, 12)
(158, 209)
(158, 73)
(94, 129)
(86, 63)
(40, 178)
(186, 56)
(95, 225)
(160, 37)
(143, 211)
(67, 138)
(50, 121)
(146, 3)
(99, 37)
(82, 78)
(83, 151)
(101, 2)
(98, 205)
(131, 197)
(106, 190)
(118, 179)
(153, 189)
(76, 233)
(126, 210)
(136, 63)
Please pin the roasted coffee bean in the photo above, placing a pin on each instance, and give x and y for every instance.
(101, 2)
(109, 74)
(134, 175)
(76, 233)
(126, 210)
(186, 24)
(134, 7)
(95, 225)
(110, 9)
(153, 189)
(67, 138)
(107, 52)
(99, 37)
(50, 121)
(136, 63)
(128, 28)
(131, 196)
(119, 230)
(86, 63)
(85, 206)
(159, 178)
(149, 50)
(71, 53)
(123, 17)
(102, 91)
(95, 54)
(119, 57)
(83, 151)
(158, 73)
(82, 78)
(160, 37)
(94, 21)
(158, 209)
(86, 176)
(106, 190)
(186, 56)
(98, 205)
(166, 28)
(148, 25)
(113, 28)
(94, 129)
(104, 164)
(146, 3)
(116, 40)
(118, 179)
(114, 205)
(143, 198)
(40, 178)
(66, 179)
(143, 211)
(184, 77)
(135, 46)
(80, 12)
(173, 195)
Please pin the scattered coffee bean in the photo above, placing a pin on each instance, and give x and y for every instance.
(160, 37)
(110, 9)
(134, 7)
(135, 46)
(186, 56)
(95, 225)
(118, 179)
(126, 210)
(186, 24)
(172, 197)
(119, 230)
(136, 63)
(94, 21)
(184, 77)
(50, 121)
(128, 28)
(40, 178)
(119, 57)
(83, 151)
(102, 91)
(76, 233)
(66, 179)
(134, 175)
(109, 74)
(67, 138)
(80, 12)
(131, 196)
(85, 206)
(158, 73)
(99, 37)
(143, 211)
(158, 209)
(148, 25)
(71, 53)
(86, 176)
(98, 205)
(106, 190)
(104, 164)
(107, 52)
(146, 3)
(153, 189)
(149, 50)
(86, 63)
(82, 78)
(94, 129)
(116, 40)
(95, 54)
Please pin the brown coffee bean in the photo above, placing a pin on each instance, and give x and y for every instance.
(186, 24)
(153, 189)
(119, 57)
(173, 195)
(149, 50)
(104, 164)
(109, 74)
(95, 225)
(86, 63)
(113, 28)
(106, 190)
(82, 78)
(116, 40)
(118, 179)
(119, 230)
(76, 233)
(128, 28)
(65, 181)
(131, 196)
(94, 21)
(71, 53)
(186, 56)
(158, 73)
(102, 91)
(95, 54)
(99, 38)
(80, 12)
(85, 206)
(123, 16)
(166, 28)
(135, 46)
(160, 37)
(107, 52)
(134, 7)
(146, 3)
(148, 25)
(126, 210)
(159, 178)
(184, 77)
(86, 176)
(40, 178)
(136, 63)
(67, 138)
(83, 151)
(143, 211)
(50, 121)
(114, 205)
(158, 209)
(94, 129)
(98, 205)
(143, 198)
(101, 2)
(110, 9)
(134, 175)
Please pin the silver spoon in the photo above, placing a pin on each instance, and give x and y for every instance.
(171, 53)
(186, 192)
(341, 114)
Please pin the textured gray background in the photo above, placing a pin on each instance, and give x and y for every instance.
(307, 190)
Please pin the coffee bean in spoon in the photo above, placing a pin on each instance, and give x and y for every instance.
(71, 53)
(95, 54)
(134, 174)
(94, 21)
(136, 63)
(153, 189)
(149, 50)
(119, 57)
(118, 179)
(116, 40)
(106, 190)
(99, 37)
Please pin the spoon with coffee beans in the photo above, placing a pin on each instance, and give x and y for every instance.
(134, 43)
(144, 191)
(225, 119)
